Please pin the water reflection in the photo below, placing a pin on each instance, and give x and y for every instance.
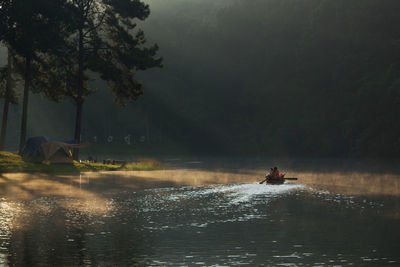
(199, 217)
(7, 214)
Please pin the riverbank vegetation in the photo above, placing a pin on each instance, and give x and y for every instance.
(55, 46)
(11, 162)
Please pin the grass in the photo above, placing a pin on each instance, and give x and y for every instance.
(11, 162)
(144, 165)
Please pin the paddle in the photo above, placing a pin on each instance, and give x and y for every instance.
(266, 178)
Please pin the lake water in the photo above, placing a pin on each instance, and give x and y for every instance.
(179, 218)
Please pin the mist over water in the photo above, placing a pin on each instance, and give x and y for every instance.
(246, 86)
(198, 216)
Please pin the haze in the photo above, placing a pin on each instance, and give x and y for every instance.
(287, 78)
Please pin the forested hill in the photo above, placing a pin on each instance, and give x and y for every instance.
(261, 77)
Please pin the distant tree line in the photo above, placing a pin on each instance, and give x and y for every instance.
(265, 77)
(282, 77)
(55, 47)
(323, 79)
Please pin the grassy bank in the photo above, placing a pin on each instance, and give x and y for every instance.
(11, 162)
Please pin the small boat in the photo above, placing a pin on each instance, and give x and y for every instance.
(271, 180)
(281, 180)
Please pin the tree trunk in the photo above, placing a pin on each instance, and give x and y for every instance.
(24, 120)
(4, 123)
(6, 101)
(147, 125)
(79, 100)
(78, 123)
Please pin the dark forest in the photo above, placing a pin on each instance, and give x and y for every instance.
(302, 78)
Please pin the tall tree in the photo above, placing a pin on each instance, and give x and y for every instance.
(103, 42)
(30, 27)
(8, 93)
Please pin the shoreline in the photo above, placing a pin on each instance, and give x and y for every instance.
(14, 163)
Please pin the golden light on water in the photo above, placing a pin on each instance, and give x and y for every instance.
(9, 214)
(94, 186)
(89, 193)
(356, 183)
(80, 213)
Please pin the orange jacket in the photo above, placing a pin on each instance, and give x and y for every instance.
(275, 174)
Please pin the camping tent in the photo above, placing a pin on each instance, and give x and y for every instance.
(41, 148)
(32, 147)
(57, 152)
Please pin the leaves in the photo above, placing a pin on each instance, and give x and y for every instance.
(109, 47)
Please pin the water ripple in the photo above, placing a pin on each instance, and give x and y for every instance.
(204, 206)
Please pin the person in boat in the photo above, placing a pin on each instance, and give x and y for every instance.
(276, 174)
(271, 172)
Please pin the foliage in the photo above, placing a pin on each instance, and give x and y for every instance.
(13, 96)
(31, 28)
(59, 41)
(101, 40)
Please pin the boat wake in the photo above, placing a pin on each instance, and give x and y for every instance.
(248, 193)
(205, 205)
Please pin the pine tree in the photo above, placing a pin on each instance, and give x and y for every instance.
(103, 42)
(7, 92)
(31, 28)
